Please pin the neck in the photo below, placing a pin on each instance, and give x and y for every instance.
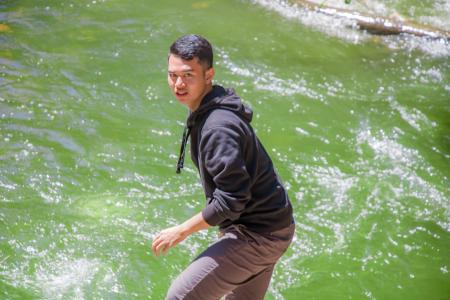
(197, 103)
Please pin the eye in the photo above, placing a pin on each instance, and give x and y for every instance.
(187, 75)
(173, 76)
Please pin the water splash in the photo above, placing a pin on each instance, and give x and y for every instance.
(346, 29)
(398, 167)
(266, 80)
(66, 278)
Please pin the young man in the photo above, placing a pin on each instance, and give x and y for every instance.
(245, 197)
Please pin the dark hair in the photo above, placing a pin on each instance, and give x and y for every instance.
(190, 46)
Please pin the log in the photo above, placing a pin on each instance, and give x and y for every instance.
(376, 25)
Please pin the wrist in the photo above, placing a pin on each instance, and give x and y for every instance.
(184, 229)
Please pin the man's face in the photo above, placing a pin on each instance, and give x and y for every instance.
(188, 80)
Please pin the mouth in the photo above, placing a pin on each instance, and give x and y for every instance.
(181, 93)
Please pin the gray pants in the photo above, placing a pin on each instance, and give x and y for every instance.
(238, 266)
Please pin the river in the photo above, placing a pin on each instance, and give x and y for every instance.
(357, 126)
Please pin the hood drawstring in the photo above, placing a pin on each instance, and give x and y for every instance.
(180, 164)
(217, 98)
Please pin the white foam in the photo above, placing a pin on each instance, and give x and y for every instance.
(66, 278)
(393, 160)
(337, 183)
(338, 27)
(345, 28)
(413, 116)
(330, 186)
(302, 131)
(267, 81)
(441, 17)
(8, 186)
(435, 48)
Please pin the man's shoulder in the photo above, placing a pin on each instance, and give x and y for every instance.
(221, 117)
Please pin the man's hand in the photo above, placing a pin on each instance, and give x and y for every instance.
(167, 239)
(172, 236)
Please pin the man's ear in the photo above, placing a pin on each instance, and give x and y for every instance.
(209, 75)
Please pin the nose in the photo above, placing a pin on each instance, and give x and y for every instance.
(179, 82)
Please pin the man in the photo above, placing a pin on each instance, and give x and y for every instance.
(245, 197)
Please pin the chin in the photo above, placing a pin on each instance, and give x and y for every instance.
(183, 101)
(183, 98)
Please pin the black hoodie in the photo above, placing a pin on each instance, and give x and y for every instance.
(240, 182)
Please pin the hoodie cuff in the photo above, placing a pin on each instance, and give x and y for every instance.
(210, 215)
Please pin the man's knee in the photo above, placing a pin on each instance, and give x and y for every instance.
(174, 293)
(195, 282)
(180, 287)
(179, 291)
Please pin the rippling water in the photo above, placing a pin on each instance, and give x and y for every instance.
(357, 126)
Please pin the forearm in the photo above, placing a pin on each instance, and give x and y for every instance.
(194, 224)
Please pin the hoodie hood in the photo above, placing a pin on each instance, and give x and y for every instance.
(222, 98)
(217, 98)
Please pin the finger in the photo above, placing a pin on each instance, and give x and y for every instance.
(156, 242)
(160, 249)
(157, 237)
(155, 246)
(166, 248)
(155, 251)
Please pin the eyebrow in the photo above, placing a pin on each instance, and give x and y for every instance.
(183, 71)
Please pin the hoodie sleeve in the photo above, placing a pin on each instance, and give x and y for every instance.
(224, 162)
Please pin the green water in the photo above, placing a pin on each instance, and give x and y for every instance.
(357, 126)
